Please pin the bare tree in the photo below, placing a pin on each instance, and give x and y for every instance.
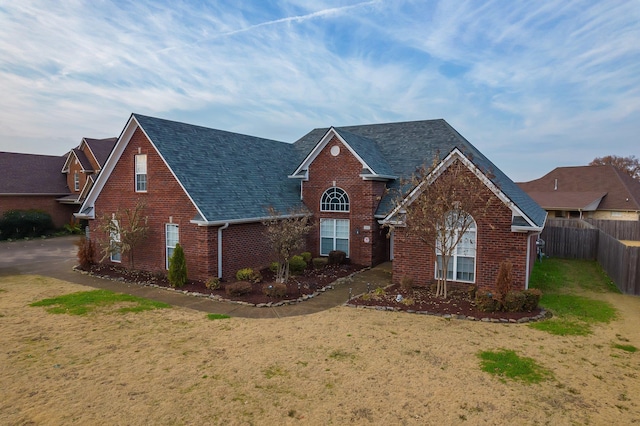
(629, 165)
(442, 210)
(285, 234)
(126, 228)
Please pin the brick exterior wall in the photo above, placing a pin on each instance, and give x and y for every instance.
(495, 243)
(61, 214)
(364, 197)
(166, 202)
(75, 166)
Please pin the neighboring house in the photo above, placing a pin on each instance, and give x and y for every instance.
(32, 181)
(54, 184)
(83, 164)
(209, 190)
(590, 192)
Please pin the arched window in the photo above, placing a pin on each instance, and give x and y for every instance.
(334, 200)
(458, 240)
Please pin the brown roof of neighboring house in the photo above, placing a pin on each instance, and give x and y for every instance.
(578, 188)
(82, 158)
(32, 174)
(101, 148)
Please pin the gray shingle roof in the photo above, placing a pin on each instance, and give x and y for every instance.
(368, 150)
(228, 175)
(406, 146)
(32, 174)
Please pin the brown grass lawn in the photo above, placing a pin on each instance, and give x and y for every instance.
(342, 366)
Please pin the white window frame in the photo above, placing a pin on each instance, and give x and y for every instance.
(329, 230)
(465, 249)
(141, 176)
(76, 181)
(170, 243)
(115, 255)
(334, 199)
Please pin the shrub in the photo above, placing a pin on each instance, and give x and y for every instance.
(213, 283)
(25, 223)
(238, 288)
(273, 267)
(86, 252)
(319, 262)
(504, 281)
(471, 291)
(278, 290)
(177, 267)
(514, 301)
(306, 256)
(406, 283)
(337, 257)
(531, 299)
(486, 303)
(248, 274)
(297, 264)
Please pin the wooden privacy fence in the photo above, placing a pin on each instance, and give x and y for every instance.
(577, 239)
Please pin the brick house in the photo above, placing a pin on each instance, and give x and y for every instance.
(31, 181)
(210, 190)
(587, 192)
(51, 183)
(82, 165)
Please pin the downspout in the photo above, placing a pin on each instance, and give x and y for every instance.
(529, 267)
(528, 272)
(220, 229)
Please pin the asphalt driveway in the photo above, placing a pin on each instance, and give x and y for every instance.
(55, 257)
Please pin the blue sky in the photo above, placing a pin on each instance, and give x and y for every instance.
(533, 85)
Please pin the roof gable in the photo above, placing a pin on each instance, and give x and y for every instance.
(407, 146)
(521, 221)
(363, 149)
(229, 177)
(99, 149)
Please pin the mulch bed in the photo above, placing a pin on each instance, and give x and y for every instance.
(458, 304)
(304, 285)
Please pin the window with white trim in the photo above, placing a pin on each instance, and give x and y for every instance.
(141, 172)
(334, 200)
(462, 264)
(334, 235)
(114, 240)
(76, 181)
(172, 238)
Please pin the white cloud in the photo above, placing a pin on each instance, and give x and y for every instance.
(531, 74)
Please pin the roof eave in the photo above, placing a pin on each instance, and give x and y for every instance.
(223, 222)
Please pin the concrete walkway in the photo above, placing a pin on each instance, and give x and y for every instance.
(56, 257)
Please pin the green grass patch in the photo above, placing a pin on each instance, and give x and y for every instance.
(561, 280)
(87, 301)
(217, 316)
(506, 364)
(628, 348)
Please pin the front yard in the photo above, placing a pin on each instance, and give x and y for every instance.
(340, 366)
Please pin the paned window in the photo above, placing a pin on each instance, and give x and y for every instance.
(172, 238)
(76, 181)
(462, 263)
(141, 173)
(334, 235)
(334, 200)
(114, 240)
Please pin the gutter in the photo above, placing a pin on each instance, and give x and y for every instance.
(238, 221)
(222, 228)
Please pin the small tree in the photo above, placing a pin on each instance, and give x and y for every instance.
(126, 228)
(285, 234)
(444, 204)
(177, 267)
